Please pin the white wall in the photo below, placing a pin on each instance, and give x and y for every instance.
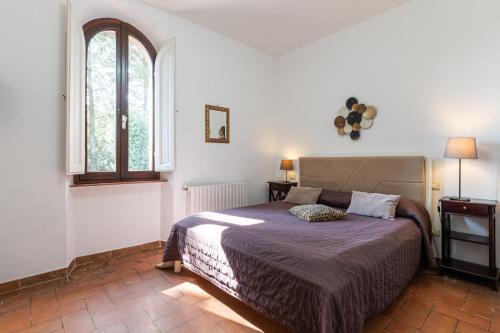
(211, 70)
(432, 70)
(32, 190)
(45, 224)
(114, 216)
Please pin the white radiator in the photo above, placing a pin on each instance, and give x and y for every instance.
(201, 198)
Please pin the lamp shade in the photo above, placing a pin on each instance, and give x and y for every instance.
(286, 165)
(461, 148)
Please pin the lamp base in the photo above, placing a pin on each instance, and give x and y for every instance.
(459, 199)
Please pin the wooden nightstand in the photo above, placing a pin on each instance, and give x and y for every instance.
(484, 209)
(279, 189)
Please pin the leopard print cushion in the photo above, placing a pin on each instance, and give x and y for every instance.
(316, 213)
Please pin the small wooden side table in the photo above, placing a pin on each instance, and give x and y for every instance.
(484, 209)
(279, 189)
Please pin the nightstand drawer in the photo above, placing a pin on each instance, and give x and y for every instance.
(465, 208)
(281, 187)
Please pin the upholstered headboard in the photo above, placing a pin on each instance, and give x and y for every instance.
(404, 175)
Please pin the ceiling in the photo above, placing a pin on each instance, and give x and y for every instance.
(275, 26)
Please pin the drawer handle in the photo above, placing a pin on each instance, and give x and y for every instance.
(464, 207)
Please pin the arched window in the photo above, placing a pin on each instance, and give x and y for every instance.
(119, 103)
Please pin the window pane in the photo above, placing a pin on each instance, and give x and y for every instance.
(140, 107)
(101, 103)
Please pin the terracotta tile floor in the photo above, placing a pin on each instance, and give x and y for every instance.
(129, 295)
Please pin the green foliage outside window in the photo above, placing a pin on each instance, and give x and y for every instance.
(101, 105)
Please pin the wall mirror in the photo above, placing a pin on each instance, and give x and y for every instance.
(216, 124)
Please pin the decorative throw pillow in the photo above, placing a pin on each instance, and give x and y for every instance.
(316, 213)
(335, 199)
(374, 204)
(303, 195)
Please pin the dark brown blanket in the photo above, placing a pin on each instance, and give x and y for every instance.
(310, 277)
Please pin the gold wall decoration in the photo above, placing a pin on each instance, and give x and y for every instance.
(217, 127)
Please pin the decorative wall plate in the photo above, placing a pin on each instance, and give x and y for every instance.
(353, 117)
(361, 108)
(370, 113)
(350, 102)
(366, 123)
(343, 111)
(355, 135)
(339, 122)
(347, 129)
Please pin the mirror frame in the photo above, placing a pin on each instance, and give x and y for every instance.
(207, 123)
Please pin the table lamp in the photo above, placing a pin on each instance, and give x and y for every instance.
(461, 148)
(286, 165)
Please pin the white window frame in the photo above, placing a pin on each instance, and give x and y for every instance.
(75, 94)
(165, 108)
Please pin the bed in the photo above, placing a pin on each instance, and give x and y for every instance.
(315, 277)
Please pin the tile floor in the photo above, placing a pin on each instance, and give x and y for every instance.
(128, 294)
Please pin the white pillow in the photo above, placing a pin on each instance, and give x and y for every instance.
(374, 204)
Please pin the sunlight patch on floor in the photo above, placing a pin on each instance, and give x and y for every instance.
(221, 310)
(207, 303)
(186, 289)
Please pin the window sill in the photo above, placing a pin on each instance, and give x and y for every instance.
(148, 181)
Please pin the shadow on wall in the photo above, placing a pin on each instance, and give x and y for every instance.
(489, 151)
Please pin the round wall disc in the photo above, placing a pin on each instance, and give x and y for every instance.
(361, 108)
(353, 117)
(366, 123)
(356, 127)
(370, 113)
(347, 129)
(354, 107)
(340, 131)
(355, 135)
(350, 101)
(343, 111)
(339, 122)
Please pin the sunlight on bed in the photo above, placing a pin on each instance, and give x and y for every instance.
(202, 300)
(212, 233)
(209, 231)
(218, 217)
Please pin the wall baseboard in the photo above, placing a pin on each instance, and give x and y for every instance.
(65, 273)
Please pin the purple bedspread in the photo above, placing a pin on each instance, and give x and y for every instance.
(309, 277)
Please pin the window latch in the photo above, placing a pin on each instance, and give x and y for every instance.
(124, 122)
